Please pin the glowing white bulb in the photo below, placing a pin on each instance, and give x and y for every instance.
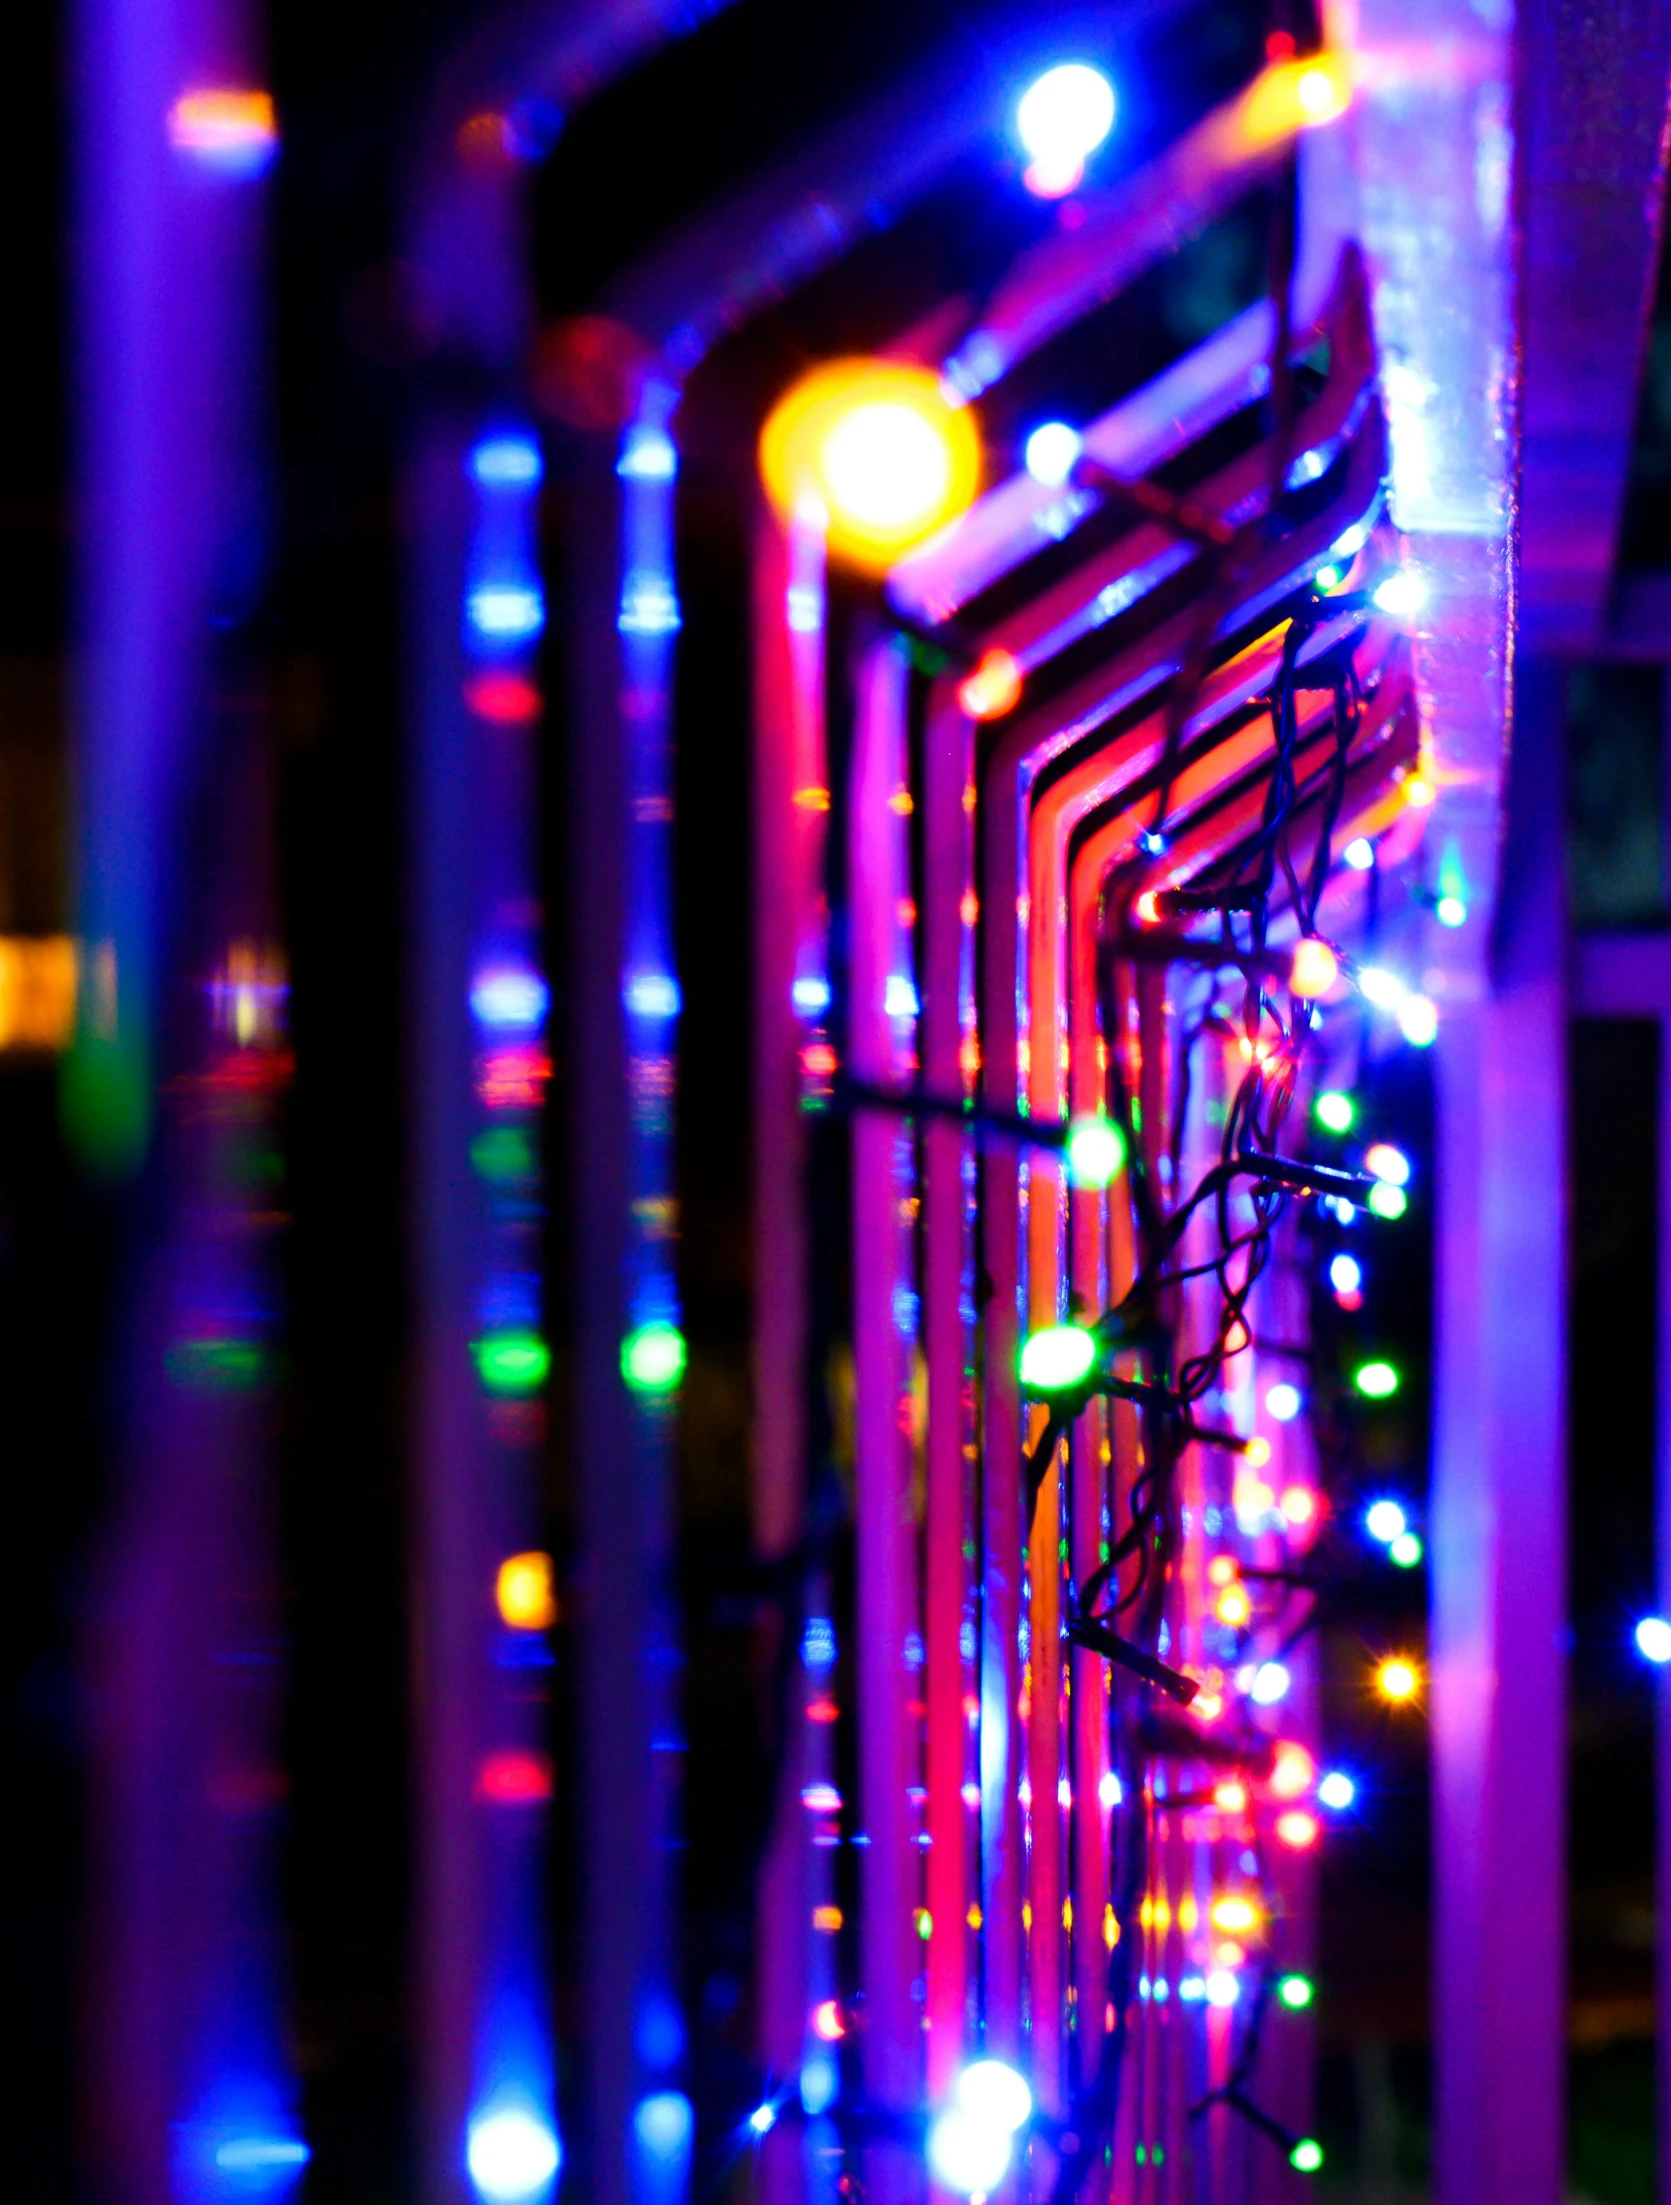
(1052, 453)
(512, 2155)
(763, 2119)
(1359, 853)
(1419, 1021)
(1062, 118)
(1653, 1639)
(1109, 1789)
(1283, 1402)
(1222, 1988)
(1401, 594)
(1336, 1790)
(969, 2155)
(1391, 1165)
(1386, 1521)
(992, 2091)
(1345, 1274)
(1382, 988)
(1270, 1683)
(886, 466)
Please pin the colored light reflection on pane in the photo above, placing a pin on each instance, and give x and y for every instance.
(647, 455)
(515, 1777)
(526, 1593)
(279, 2158)
(513, 1078)
(506, 463)
(879, 447)
(509, 999)
(512, 2153)
(653, 1358)
(227, 132)
(512, 1362)
(506, 700)
(506, 612)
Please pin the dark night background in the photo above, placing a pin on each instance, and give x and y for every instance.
(349, 342)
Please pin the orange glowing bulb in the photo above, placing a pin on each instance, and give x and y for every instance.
(1315, 968)
(1397, 1679)
(525, 1593)
(1299, 1504)
(994, 687)
(1257, 1452)
(1146, 910)
(1208, 1707)
(1231, 1797)
(1221, 1570)
(1297, 1829)
(1233, 1607)
(827, 2021)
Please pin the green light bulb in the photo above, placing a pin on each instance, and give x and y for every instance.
(653, 1358)
(1405, 1550)
(1377, 1380)
(503, 1154)
(1307, 2155)
(512, 1362)
(1295, 1992)
(1388, 1202)
(1334, 1110)
(1096, 1152)
(1056, 1359)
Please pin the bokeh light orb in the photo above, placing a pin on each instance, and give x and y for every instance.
(879, 449)
(1062, 118)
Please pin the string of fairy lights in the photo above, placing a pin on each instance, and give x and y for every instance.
(1249, 962)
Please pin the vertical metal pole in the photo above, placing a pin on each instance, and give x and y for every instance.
(1499, 1515)
(882, 1006)
(791, 998)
